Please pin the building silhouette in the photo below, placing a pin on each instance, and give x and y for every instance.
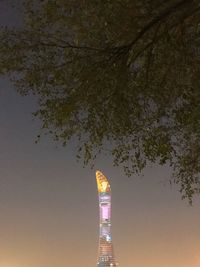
(105, 254)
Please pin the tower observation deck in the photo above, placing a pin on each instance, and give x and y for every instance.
(105, 254)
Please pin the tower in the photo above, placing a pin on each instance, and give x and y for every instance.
(105, 255)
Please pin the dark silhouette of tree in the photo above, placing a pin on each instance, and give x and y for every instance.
(121, 76)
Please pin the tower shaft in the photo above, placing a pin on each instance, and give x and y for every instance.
(106, 254)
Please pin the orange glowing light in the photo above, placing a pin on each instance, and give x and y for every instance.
(102, 183)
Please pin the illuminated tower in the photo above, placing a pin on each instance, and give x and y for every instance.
(106, 256)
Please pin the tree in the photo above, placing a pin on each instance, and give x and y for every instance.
(120, 76)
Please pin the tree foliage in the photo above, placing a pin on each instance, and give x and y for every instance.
(120, 76)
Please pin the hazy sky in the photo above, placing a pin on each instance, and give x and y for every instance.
(49, 208)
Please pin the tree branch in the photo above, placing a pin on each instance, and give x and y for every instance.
(148, 45)
(159, 18)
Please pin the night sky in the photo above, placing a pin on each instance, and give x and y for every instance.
(49, 202)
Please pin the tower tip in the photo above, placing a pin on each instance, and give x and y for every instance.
(102, 182)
